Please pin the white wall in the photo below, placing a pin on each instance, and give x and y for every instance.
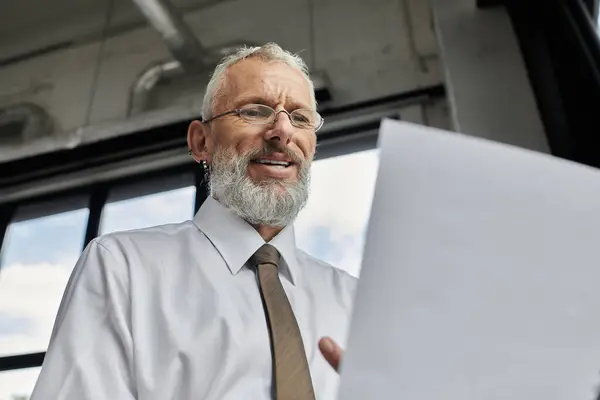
(369, 50)
(486, 80)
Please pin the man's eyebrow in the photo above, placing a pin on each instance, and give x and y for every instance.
(290, 103)
(295, 104)
(249, 100)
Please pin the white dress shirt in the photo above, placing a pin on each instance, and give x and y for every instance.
(174, 313)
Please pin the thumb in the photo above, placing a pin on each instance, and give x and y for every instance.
(331, 351)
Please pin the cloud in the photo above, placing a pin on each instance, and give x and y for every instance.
(344, 252)
(49, 239)
(155, 209)
(18, 382)
(339, 204)
(10, 324)
(30, 293)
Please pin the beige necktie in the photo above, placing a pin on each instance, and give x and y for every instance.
(291, 376)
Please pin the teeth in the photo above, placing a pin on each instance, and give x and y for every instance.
(273, 162)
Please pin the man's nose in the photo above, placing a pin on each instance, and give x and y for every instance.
(282, 128)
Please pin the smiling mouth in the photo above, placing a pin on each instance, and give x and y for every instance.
(282, 164)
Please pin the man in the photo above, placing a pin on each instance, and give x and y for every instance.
(224, 306)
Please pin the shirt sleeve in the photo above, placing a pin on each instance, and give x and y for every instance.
(90, 355)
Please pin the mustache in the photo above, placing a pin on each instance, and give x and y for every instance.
(273, 147)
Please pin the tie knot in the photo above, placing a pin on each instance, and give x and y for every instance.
(267, 254)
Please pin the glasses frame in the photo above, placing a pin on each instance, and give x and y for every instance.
(238, 112)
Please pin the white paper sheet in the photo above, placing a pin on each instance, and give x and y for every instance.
(481, 274)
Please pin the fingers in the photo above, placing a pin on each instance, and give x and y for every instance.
(331, 351)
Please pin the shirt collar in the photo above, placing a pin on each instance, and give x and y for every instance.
(237, 241)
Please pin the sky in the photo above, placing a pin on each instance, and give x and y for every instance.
(39, 255)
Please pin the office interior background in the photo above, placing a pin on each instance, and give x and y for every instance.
(95, 100)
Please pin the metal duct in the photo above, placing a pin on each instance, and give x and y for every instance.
(153, 75)
(142, 87)
(190, 56)
(178, 36)
(21, 123)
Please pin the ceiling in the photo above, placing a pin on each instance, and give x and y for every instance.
(31, 26)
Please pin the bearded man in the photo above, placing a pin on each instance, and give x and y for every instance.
(224, 306)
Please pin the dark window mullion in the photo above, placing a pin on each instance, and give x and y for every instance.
(6, 215)
(97, 201)
(591, 6)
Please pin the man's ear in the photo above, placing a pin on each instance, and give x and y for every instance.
(200, 141)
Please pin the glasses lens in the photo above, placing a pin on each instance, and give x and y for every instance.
(257, 113)
(304, 118)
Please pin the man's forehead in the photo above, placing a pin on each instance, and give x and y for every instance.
(255, 78)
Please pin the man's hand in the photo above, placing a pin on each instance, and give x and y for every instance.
(331, 351)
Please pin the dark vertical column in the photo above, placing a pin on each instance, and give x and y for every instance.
(97, 201)
(6, 214)
(561, 49)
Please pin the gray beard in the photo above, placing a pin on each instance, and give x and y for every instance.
(259, 203)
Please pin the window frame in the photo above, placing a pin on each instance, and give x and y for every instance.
(592, 7)
(560, 45)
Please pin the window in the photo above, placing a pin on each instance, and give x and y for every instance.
(332, 227)
(153, 209)
(18, 384)
(593, 6)
(38, 257)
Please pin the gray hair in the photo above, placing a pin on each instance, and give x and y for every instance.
(268, 52)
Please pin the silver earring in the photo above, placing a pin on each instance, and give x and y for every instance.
(206, 168)
(203, 163)
(195, 159)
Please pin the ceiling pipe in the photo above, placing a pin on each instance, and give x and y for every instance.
(188, 53)
(141, 90)
(178, 36)
(190, 56)
(142, 87)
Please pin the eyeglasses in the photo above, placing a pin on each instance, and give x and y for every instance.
(259, 114)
